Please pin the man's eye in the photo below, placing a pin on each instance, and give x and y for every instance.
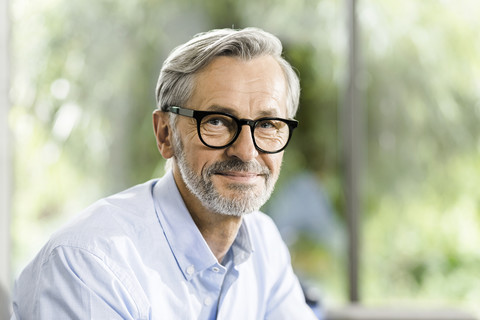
(268, 124)
(216, 122)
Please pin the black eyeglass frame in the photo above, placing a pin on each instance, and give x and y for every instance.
(199, 115)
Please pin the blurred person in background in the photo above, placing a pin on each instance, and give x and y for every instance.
(192, 244)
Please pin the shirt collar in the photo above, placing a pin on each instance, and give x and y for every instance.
(185, 240)
(242, 246)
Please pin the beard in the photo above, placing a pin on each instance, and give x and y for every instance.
(245, 198)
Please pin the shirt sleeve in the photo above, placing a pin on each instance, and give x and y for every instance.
(287, 300)
(73, 283)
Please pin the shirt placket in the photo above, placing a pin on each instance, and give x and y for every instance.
(211, 281)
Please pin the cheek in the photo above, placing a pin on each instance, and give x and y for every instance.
(200, 158)
(187, 129)
(194, 157)
(274, 162)
(190, 137)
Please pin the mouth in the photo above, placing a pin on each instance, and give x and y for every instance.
(238, 173)
(240, 176)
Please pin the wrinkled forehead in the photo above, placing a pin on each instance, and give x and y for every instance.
(251, 86)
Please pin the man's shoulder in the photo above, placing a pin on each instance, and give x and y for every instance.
(262, 229)
(123, 215)
(259, 219)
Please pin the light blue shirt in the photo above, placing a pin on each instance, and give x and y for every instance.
(139, 255)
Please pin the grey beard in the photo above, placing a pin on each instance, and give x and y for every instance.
(246, 198)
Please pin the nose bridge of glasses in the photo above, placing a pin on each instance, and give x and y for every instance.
(246, 122)
(251, 124)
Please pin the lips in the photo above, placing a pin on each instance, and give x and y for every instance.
(245, 177)
(239, 174)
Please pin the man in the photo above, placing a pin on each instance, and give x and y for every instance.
(191, 245)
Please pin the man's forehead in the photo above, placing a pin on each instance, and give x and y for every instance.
(228, 84)
(263, 112)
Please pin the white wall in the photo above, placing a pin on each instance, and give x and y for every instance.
(5, 160)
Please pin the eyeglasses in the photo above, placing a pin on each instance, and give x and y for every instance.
(219, 130)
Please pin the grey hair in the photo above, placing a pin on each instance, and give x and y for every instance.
(176, 81)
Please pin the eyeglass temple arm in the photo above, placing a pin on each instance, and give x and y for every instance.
(181, 111)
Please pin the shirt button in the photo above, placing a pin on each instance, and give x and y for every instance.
(190, 270)
(207, 301)
(215, 269)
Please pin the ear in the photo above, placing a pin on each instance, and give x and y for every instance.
(163, 133)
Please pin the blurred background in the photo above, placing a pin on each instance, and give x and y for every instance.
(82, 76)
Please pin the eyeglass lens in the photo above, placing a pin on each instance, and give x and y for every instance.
(219, 130)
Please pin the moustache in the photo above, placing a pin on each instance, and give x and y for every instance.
(237, 165)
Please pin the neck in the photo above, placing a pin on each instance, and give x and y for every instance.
(218, 230)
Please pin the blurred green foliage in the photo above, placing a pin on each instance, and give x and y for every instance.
(84, 74)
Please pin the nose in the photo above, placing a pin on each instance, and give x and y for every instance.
(243, 148)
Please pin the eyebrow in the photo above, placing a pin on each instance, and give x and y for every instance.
(270, 112)
(221, 109)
